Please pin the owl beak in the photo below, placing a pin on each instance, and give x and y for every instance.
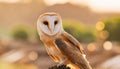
(52, 28)
(51, 31)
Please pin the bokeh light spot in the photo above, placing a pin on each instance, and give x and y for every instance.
(107, 45)
(91, 47)
(100, 26)
(104, 34)
(33, 55)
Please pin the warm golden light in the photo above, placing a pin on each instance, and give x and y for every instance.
(16, 1)
(33, 55)
(105, 6)
(107, 45)
(91, 47)
(99, 6)
(75, 2)
(100, 26)
(52, 2)
(12, 56)
(71, 66)
(104, 34)
(10, 1)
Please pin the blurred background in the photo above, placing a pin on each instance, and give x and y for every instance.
(96, 24)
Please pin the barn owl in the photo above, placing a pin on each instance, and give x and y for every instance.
(49, 27)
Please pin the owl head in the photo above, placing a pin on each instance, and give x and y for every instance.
(49, 23)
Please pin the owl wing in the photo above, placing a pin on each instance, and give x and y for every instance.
(73, 41)
(74, 56)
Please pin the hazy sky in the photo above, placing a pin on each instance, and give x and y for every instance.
(94, 5)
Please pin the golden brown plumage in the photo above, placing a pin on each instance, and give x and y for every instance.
(50, 28)
(73, 55)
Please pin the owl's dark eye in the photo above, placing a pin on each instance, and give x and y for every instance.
(56, 22)
(45, 22)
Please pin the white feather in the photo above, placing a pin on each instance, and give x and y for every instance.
(52, 29)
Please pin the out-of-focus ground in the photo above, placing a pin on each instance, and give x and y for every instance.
(25, 51)
(31, 54)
